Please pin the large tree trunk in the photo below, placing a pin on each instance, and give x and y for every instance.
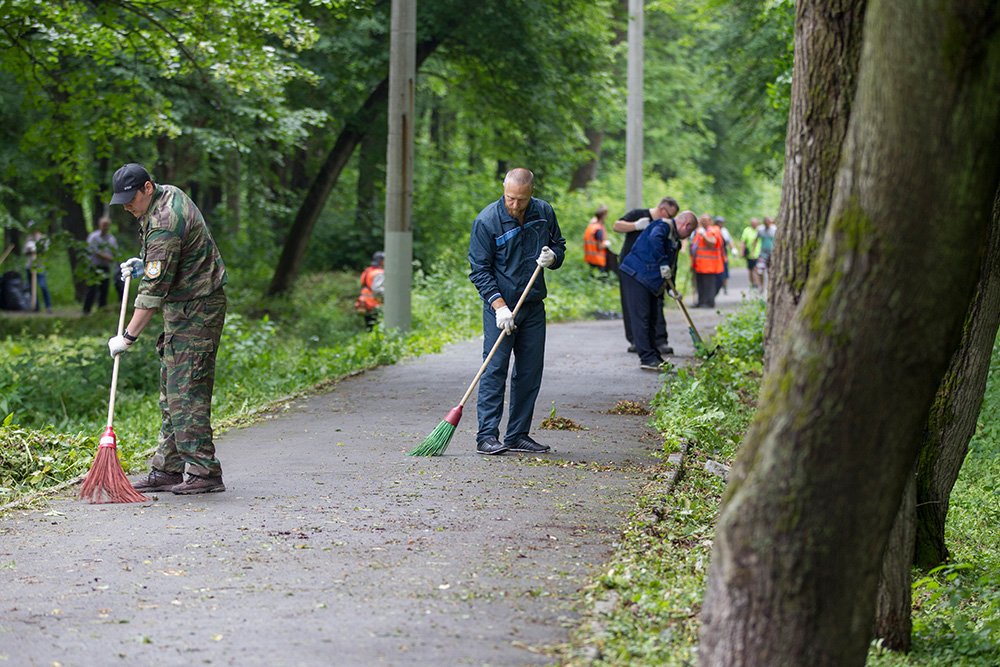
(319, 190)
(821, 474)
(953, 416)
(827, 48)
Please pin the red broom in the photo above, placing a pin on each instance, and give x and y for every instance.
(106, 482)
(437, 441)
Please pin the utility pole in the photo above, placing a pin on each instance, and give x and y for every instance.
(633, 126)
(399, 165)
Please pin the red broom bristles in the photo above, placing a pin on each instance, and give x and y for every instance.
(106, 482)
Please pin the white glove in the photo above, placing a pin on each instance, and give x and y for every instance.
(505, 319)
(607, 243)
(665, 272)
(641, 224)
(546, 257)
(117, 345)
(378, 284)
(132, 267)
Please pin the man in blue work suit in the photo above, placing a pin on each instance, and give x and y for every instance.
(644, 272)
(510, 237)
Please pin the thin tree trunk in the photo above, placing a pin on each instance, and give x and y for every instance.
(587, 171)
(918, 531)
(319, 190)
(953, 416)
(368, 221)
(74, 223)
(821, 474)
(828, 39)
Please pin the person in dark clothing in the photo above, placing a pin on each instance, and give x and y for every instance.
(632, 224)
(644, 272)
(510, 237)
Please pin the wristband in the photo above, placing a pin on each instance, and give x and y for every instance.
(129, 337)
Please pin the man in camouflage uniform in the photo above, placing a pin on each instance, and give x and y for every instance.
(182, 274)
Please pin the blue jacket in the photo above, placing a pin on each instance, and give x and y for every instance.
(502, 253)
(657, 245)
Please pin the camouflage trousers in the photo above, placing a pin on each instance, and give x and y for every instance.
(187, 349)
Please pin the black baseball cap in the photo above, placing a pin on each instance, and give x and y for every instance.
(127, 180)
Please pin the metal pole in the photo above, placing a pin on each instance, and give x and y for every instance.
(634, 124)
(399, 165)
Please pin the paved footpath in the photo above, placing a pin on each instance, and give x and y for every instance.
(332, 547)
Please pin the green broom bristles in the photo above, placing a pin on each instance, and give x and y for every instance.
(436, 442)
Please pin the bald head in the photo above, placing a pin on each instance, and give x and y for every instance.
(686, 222)
(518, 186)
(519, 176)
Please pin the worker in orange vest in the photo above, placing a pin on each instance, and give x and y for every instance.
(369, 302)
(707, 260)
(596, 245)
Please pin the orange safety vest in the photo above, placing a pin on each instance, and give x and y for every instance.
(708, 252)
(367, 301)
(594, 252)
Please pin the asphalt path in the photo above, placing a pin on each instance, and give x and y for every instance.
(332, 547)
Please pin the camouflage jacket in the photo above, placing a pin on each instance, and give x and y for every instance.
(181, 259)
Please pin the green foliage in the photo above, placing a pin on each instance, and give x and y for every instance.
(712, 403)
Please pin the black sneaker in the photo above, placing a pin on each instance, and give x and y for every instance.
(157, 480)
(651, 365)
(526, 444)
(197, 484)
(490, 446)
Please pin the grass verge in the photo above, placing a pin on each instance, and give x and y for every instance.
(643, 609)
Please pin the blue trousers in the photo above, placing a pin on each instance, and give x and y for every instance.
(527, 344)
(642, 311)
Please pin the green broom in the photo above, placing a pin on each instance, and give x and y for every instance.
(699, 344)
(437, 441)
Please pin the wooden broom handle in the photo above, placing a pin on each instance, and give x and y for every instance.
(118, 357)
(496, 345)
(6, 252)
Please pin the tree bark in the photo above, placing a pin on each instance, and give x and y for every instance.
(827, 49)
(893, 624)
(319, 190)
(953, 416)
(918, 531)
(821, 474)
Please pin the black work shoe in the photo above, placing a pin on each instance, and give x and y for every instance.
(631, 348)
(197, 484)
(157, 480)
(490, 445)
(526, 444)
(665, 349)
(651, 365)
